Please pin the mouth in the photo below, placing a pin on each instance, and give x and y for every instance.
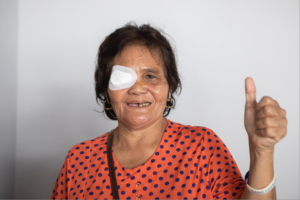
(140, 105)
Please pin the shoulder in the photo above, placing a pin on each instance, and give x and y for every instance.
(199, 138)
(86, 147)
(191, 132)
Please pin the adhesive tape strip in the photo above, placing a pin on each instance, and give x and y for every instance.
(121, 78)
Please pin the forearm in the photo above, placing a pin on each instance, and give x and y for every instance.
(261, 174)
(266, 124)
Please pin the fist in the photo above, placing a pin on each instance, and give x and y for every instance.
(265, 122)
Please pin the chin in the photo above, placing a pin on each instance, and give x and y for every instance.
(139, 120)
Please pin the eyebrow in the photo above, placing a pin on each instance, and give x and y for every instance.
(153, 70)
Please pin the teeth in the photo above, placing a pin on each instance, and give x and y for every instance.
(143, 104)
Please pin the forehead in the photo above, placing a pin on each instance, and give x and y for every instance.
(137, 57)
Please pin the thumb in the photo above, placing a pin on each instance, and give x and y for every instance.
(250, 107)
(250, 93)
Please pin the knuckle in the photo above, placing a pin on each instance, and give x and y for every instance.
(266, 121)
(263, 99)
(267, 98)
(268, 131)
(283, 133)
(268, 110)
(285, 122)
(284, 112)
(277, 139)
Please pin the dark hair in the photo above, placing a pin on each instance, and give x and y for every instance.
(114, 43)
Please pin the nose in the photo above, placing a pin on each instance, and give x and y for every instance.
(138, 88)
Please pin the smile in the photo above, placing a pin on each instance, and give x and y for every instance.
(139, 104)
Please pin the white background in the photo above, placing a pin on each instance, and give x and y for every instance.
(218, 44)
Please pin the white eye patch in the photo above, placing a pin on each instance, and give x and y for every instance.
(121, 77)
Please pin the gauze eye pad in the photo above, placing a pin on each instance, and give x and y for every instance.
(121, 77)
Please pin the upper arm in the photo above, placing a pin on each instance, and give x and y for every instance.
(60, 187)
(228, 180)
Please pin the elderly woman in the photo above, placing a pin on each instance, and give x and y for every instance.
(150, 157)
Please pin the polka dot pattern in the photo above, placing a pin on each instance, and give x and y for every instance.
(190, 163)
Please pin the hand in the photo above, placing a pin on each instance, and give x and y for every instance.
(265, 122)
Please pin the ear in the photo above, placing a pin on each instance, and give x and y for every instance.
(106, 96)
(169, 95)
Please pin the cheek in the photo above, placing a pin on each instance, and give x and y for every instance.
(161, 93)
(116, 96)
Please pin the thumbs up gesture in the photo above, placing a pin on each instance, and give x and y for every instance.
(265, 122)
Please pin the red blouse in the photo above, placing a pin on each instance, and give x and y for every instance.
(190, 163)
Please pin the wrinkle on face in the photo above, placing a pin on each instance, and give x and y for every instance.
(142, 65)
(151, 86)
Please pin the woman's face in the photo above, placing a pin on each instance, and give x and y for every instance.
(144, 102)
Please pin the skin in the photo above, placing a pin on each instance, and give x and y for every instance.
(140, 129)
(266, 124)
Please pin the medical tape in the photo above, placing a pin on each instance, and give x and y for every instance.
(121, 77)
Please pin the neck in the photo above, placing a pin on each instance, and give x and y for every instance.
(128, 139)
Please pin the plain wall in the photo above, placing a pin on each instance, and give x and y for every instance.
(8, 95)
(218, 44)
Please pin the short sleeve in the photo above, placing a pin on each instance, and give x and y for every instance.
(60, 190)
(227, 181)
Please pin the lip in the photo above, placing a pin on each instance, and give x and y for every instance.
(138, 102)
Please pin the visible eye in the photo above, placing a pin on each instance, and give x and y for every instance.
(150, 76)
